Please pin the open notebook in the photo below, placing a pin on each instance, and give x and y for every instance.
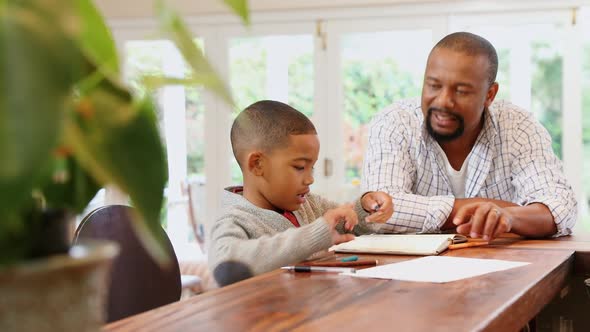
(401, 244)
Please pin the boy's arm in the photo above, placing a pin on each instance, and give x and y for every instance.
(321, 205)
(233, 256)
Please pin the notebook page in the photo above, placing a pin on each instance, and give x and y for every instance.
(437, 269)
(404, 244)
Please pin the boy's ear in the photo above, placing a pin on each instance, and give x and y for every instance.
(255, 163)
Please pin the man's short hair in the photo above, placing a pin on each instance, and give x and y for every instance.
(267, 125)
(472, 44)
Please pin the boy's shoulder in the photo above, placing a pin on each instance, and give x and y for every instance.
(234, 205)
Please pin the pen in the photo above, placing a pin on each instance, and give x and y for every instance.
(349, 259)
(299, 268)
(468, 245)
(362, 262)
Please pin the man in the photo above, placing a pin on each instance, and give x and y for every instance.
(457, 160)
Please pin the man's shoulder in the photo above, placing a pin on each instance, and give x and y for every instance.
(507, 112)
(403, 112)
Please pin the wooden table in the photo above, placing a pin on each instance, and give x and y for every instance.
(500, 301)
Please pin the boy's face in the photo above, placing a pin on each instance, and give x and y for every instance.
(288, 173)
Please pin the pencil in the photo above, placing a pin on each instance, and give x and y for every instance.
(468, 245)
(476, 239)
(362, 262)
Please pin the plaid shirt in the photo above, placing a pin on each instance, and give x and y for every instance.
(512, 160)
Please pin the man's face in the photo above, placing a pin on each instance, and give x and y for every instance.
(455, 92)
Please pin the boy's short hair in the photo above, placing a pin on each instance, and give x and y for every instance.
(267, 125)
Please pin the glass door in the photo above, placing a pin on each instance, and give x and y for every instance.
(271, 62)
(369, 69)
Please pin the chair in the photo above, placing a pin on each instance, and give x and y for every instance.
(137, 282)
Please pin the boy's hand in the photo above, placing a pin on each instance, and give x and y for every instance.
(343, 213)
(379, 205)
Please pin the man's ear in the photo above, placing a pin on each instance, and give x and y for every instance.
(255, 163)
(491, 94)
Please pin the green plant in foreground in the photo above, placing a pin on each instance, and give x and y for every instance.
(69, 125)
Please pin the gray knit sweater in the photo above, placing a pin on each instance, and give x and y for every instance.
(247, 240)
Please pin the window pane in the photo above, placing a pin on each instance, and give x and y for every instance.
(530, 70)
(375, 73)
(271, 67)
(144, 57)
(157, 57)
(195, 144)
(585, 21)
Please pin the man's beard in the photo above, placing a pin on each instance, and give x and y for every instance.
(445, 137)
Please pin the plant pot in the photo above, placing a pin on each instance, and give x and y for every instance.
(59, 293)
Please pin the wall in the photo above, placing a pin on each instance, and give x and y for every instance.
(117, 9)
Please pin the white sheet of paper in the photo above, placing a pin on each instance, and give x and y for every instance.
(436, 269)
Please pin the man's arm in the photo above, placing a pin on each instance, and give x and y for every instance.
(488, 218)
(538, 178)
(546, 203)
(460, 203)
(389, 167)
(534, 220)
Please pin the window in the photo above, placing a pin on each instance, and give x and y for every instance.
(376, 72)
(278, 67)
(343, 69)
(584, 222)
(181, 118)
(530, 70)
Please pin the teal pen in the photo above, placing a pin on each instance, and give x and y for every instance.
(349, 259)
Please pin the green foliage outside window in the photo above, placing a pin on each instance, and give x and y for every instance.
(370, 86)
(547, 90)
(301, 84)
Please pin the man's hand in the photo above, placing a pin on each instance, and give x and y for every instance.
(344, 213)
(483, 219)
(379, 205)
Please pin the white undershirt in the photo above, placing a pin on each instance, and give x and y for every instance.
(458, 178)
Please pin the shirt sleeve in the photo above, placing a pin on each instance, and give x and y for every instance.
(389, 167)
(538, 175)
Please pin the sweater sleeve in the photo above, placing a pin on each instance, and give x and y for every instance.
(321, 205)
(233, 256)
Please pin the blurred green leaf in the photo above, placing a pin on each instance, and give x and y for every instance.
(240, 7)
(14, 238)
(95, 37)
(202, 71)
(66, 184)
(33, 90)
(117, 141)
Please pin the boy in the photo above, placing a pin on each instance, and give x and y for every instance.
(273, 220)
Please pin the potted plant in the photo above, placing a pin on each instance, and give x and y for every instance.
(69, 126)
